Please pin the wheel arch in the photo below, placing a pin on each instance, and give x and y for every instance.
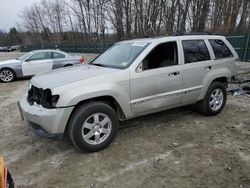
(110, 100)
(15, 67)
(107, 99)
(222, 78)
(8, 68)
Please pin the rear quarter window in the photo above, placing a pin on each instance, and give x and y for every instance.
(220, 49)
(195, 51)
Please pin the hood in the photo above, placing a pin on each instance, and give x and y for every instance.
(11, 61)
(68, 75)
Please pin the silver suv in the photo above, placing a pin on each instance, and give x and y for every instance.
(131, 79)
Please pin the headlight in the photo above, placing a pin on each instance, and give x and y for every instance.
(54, 100)
(49, 100)
(42, 97)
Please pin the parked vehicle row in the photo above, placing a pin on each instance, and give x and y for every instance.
(8, 49)
(5, 49)
(35, 62)
(131, 79)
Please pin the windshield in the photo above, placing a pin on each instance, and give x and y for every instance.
(23, 57)
(120, 55)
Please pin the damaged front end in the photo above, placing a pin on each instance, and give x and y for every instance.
(42, 97)
(39, 109)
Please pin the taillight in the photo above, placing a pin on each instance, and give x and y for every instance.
(82, 60)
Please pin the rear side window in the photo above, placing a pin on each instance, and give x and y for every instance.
(58, 55)
(195, 51)
(220, 49)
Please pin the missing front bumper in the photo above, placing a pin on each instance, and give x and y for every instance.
(49, 123)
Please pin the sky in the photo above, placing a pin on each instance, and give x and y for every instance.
(9, 12)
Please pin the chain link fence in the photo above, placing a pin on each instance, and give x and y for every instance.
(96, 48)
(241, 43)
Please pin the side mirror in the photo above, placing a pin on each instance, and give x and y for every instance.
(27, 60)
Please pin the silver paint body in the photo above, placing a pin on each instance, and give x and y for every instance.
(38, 66)
(137, 92)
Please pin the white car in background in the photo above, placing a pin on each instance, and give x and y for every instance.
(36, 62)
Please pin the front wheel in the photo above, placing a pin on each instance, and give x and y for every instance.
(214, 100)
(7, 75)
(93, 126)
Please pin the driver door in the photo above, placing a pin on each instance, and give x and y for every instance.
(37, 63)
(157, 83)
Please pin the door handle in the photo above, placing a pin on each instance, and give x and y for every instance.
(174, 73)
(208, 67)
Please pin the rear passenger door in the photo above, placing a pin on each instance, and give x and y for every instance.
(197, 64)
(58, 60)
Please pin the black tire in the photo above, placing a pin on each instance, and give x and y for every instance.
(9, 71)
(84, 113)
(10, 180)
(68, 65)
(204, 105)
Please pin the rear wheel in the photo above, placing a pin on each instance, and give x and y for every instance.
(7, 75)
(93, 126)
(214, 100)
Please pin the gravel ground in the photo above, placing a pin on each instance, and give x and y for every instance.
(175, 148)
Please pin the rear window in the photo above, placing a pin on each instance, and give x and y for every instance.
(220, 49)
(195, 51)
(58, 55)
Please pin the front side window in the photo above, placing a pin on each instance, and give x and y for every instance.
(220, 49)
(195, 51)
(58, 55)
(163, 55)
(120, 55)
(23, 57)
(40, 56)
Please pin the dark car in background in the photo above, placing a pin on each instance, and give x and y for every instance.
(5, 49)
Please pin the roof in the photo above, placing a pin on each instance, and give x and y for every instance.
(51, 50)
(48, 50)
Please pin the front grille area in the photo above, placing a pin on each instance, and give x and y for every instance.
(39, 96)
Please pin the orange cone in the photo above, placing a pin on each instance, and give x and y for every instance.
(2, 174)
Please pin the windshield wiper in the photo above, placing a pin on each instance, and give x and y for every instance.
(98, 64)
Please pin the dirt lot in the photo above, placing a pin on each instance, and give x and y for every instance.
(176, 148)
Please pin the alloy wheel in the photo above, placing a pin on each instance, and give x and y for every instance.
(96, 128)
(6, 76)
(216, 99)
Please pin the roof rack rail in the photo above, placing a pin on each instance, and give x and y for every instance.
(178, 33)
(198, 33)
